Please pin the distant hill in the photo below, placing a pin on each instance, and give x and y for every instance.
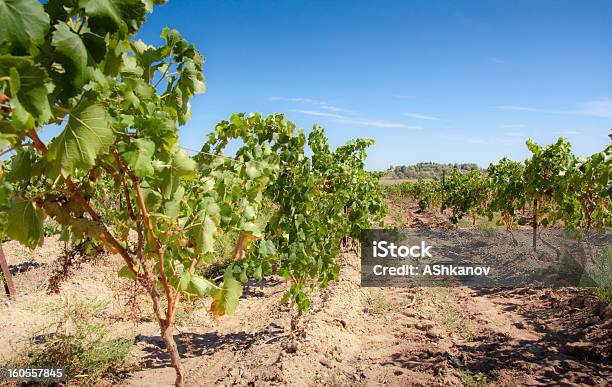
(428, 170)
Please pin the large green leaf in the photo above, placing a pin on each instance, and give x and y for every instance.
(114, 15)
(22, 22)
(226, 300)
(139, 156)
(25, 223)
(158, 128)
(87, 134)
(171, 207)
(60, 9)
(202, 234)
(183, 165)
(21, 166)
(151, 197)
(20, 118)
(96, 46)
(30, 86)
(71, 53)
(184, 281)
(192, 284)
(199, 286)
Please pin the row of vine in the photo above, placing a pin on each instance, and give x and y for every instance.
(553, 183)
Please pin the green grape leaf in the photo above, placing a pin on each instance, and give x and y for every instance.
(21, 119)
(60, 9)
(184, 281)
(29, 88)
(252, 172)
(151, 197)
(266, 248)
(25, 223)
(86, 135)
(183, 165)
(202, 234)
(199, 286)
(23, 22)
(71, 54)
(114, 15)
(173, 205)
(249, 212)
(95, 44)
(257, 273)
(226, 299)
(21, 166)
(139, 156)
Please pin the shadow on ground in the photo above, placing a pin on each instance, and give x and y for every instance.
(203, 344)
(575, 345)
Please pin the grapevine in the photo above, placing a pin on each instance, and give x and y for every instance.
(465, 195)
(117, 178)
(556, 185)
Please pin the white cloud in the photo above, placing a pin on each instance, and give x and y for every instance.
(332, 108)
(601, 108)
(525, 109)
(420, 116)
(292, 99)
(597, 108)
(317, 113)
(321, 104)
(378, 124)
(342, 118)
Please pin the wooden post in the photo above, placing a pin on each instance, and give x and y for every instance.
(535, 223)
(6, 274)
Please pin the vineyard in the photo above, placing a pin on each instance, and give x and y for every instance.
(557, 187)
(240, 268)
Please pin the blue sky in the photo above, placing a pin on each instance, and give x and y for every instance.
(445, 81)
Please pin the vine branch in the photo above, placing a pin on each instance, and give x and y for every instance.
(158, 247)
(108, 237)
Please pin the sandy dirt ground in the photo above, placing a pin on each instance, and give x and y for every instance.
(351, 336)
